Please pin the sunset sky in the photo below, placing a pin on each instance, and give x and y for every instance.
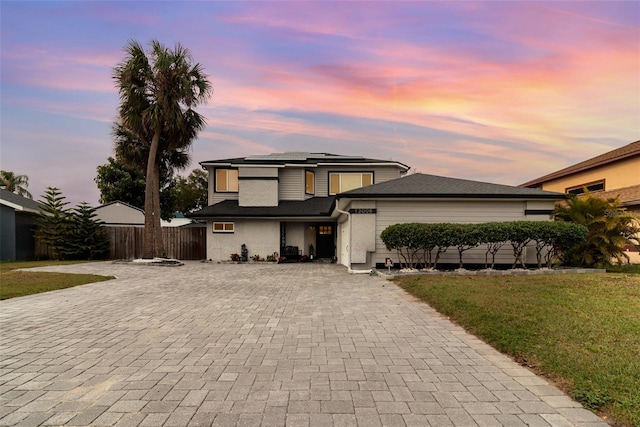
(500, 91)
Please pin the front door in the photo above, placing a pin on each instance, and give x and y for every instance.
(325, 240)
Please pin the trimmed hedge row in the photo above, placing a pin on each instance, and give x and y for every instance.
(422, 244)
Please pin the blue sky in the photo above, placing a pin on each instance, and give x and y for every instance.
(493, 91)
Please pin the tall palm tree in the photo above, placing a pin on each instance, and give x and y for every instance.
(610, 228)
(135, 154)
(158, 92)
(15, 183)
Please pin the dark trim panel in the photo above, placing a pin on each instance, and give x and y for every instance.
(258, 178)
(363, 210)
(538, 211)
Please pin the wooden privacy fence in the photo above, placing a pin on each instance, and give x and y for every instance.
(184, 243)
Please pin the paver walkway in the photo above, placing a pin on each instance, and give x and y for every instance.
(245, 345)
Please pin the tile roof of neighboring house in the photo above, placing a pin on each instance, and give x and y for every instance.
(629, 150)
(18, 203)
(420, 185)
(629, 196)
(315, 206)
(302, 158)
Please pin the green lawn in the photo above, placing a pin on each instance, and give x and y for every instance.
(582, 331)
(15, 283)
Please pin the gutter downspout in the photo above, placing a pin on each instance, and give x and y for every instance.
(349, 269)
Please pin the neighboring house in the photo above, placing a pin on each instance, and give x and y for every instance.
(615, 174)
(335, 207)
(121, 214)
(17, 223)
(612, 174)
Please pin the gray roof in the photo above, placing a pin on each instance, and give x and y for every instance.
(18, 203)
(420, 185)
(302, 158)
(315, 206)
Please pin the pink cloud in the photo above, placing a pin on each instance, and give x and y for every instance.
(60, 69)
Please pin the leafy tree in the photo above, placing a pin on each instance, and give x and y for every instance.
(87, 238)
(465, 237)
(119, 182)
(520, 234)
(495, 236)
(157, 94)
(610, 228)
(191, 193)
(53, 223)
(116, 181)
(15, 183)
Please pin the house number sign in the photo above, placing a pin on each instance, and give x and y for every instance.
(362, 211)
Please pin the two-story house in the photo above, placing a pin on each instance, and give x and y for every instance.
(615, 173)
(335, 207)
(282, 200)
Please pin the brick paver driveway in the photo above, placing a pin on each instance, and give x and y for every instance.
(272, 345)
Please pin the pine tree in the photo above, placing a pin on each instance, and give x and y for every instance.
(87, 239)
(53, 223)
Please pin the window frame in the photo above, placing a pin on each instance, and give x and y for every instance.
(227, 170)
(307, 174)
(340, 173)
(577, 190)
(224, 225)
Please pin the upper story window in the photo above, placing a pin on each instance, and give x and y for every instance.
(309, 182)
(591, 187)
(339, 182)
(227, 180)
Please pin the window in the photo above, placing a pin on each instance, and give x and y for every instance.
(592, 186)
(325, 230)
(310, 183)
(341, 182)
(223, 227)
(227, 180)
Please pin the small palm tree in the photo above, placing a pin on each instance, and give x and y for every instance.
(15, 183)
(610, 227)
(157, 94)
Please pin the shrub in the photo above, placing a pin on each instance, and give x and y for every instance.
(610, 227)
(415, 243)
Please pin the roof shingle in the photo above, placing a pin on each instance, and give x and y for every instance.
(315, 206)
(431, 186)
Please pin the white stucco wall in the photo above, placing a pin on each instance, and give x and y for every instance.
(261, 237)
(363, 230)
(258, 192)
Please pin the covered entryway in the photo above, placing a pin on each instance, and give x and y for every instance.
(326, 240)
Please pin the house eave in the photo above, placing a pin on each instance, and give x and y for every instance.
(558, 196)
(17, 207)
(572, 170)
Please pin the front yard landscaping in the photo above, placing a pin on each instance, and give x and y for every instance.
(14, 283)
(581, 331)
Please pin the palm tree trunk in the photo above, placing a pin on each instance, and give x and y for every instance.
(148, 246)
(158, 250)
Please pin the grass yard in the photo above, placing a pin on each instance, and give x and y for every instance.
(582, 331)
(15, 283)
